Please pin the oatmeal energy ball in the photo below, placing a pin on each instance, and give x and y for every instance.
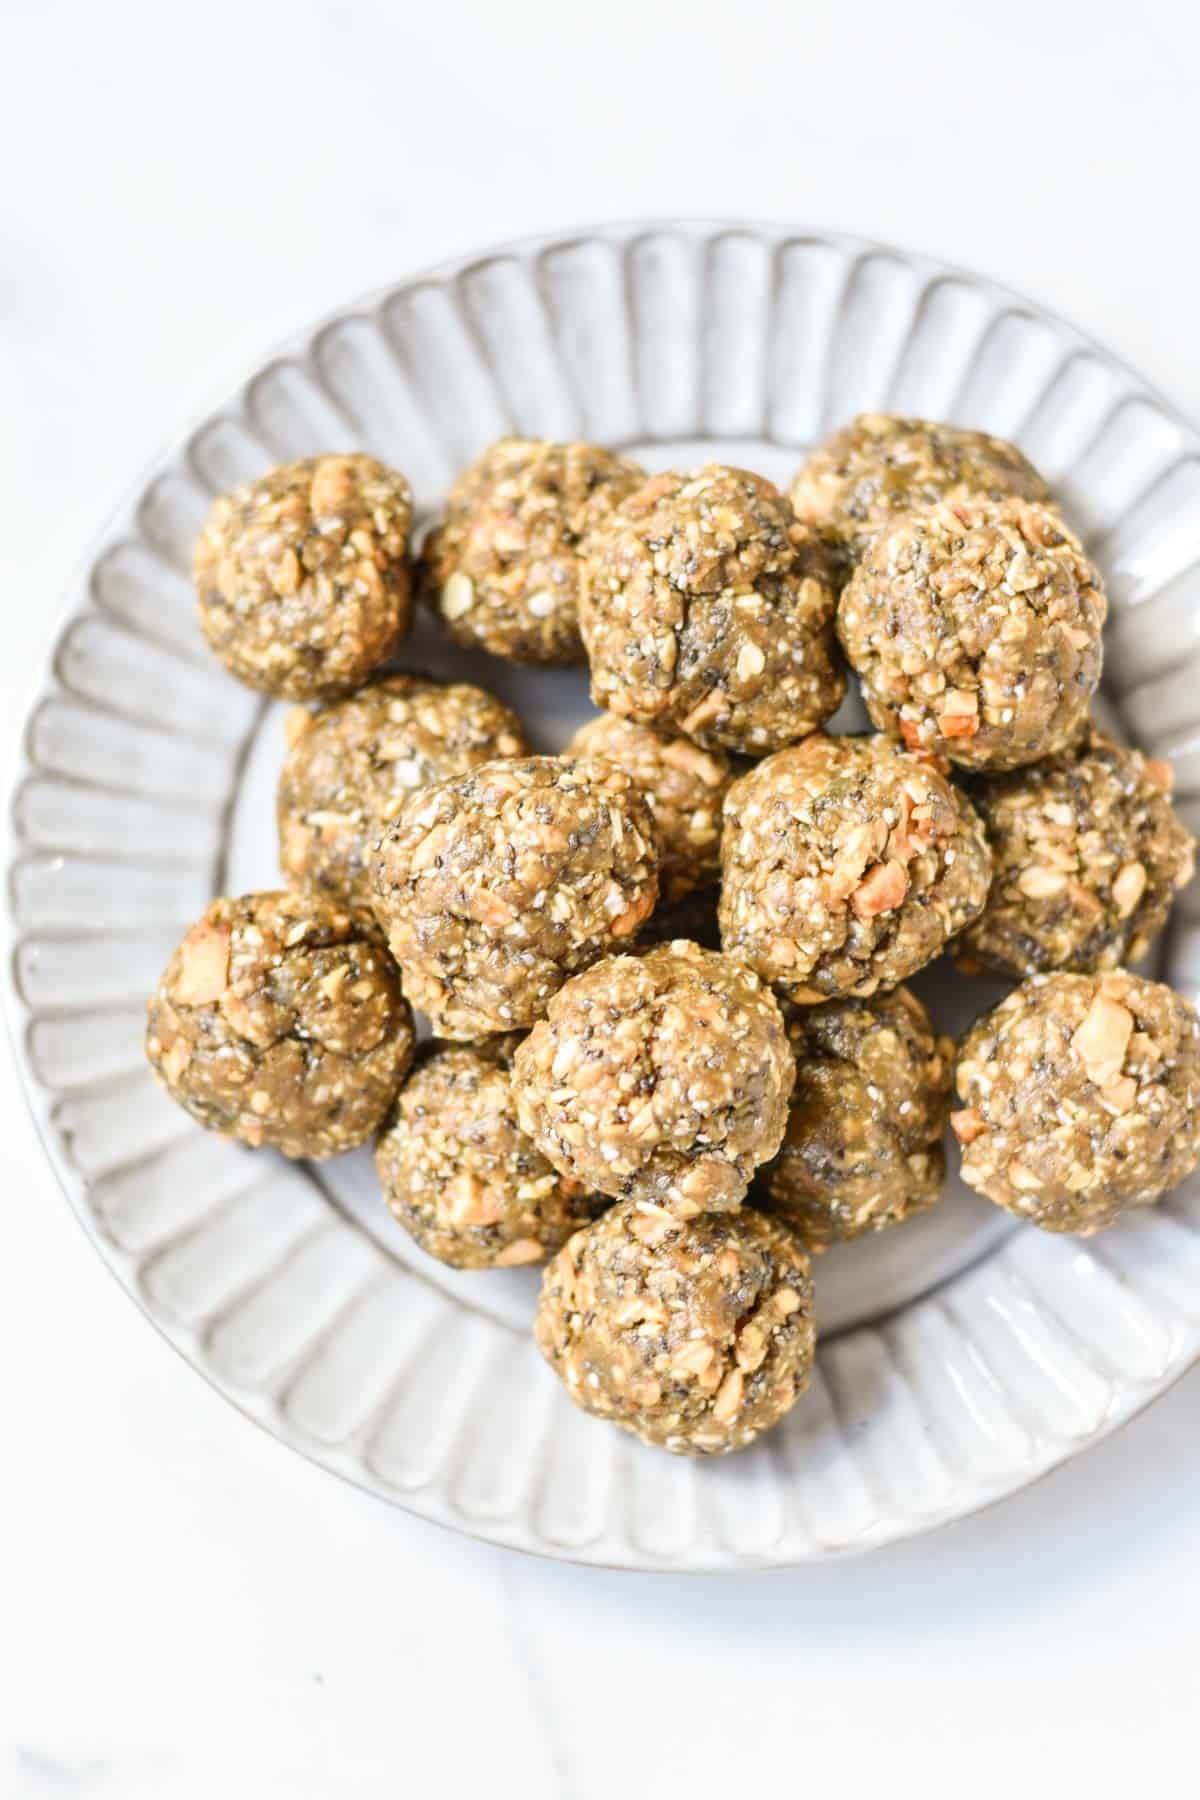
(303, 577)
(459, 1173)
(975, 629)
(1088, 855)
(351, 766)
(694, 1335)
(279, 1021)
(502, 569)
(879, 465)
(494, 888)
(663, 1077)
(706, 609)
(848, 864)
(863, 1146)
(1080, 1098)
(684, 788)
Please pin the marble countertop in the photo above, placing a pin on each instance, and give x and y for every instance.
(189, 1609)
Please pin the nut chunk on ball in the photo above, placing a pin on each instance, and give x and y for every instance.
(303, 577)
(1081, 1097)
(695, 1335)
(664, 1077)
(459, 1173)
(503, 567)
(350, 768)
(975, 629)
(279, 1021)
(879, 465)
(863, 1146)
(707, 609)
(848, 864)
(493, 889)
(684, 788)
(1088, 856)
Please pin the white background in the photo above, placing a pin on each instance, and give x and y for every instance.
(186, 1609)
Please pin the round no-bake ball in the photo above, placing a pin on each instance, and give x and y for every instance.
(502, 569)
(664, 1077)
(847, 865)
(1087, 854)
(975, 629)
(350, 768)
(494, 888)
(461, 1176)
(1081, 1097)
(707, 609)
(303, 577)
(696, 1336)
(279, 1020)
(863, 1145)
(855, 483)
(684, 788)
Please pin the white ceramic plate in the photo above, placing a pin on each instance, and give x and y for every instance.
(962, 1356)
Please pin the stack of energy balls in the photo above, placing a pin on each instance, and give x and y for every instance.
(673, 1050)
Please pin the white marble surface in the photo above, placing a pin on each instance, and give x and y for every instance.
(188, 1609)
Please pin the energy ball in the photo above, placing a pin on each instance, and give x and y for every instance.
(1087, 854)
(684, 788)
(694, 1335)
(459, 1173)
(975, 629)
(502, 569)
(1080, 1098)
(847, 866)
(706, 609)
(494, 888)
(663, 1077)
(350, 767)
(863, 1146)
(879, 465)
(279, 1020)
(303, 577)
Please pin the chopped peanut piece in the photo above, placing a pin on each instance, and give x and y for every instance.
(1042, 884)
(1128, 887)
(882, 891)
(1100, 1042)
(967, 1124)
(203, 973)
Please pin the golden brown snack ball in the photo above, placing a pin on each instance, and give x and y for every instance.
(351, 766)
(461, 1176)
(975, 629)
(708, 610)
(863, 1145)
(696, 1335)
(848, 864)
(1081, 1098)
(854, 484)
(684, 787)
(279, 1020)
(1088, 856)
(495, 888)
(303, 577)
(502, 569)
(664, 1077)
